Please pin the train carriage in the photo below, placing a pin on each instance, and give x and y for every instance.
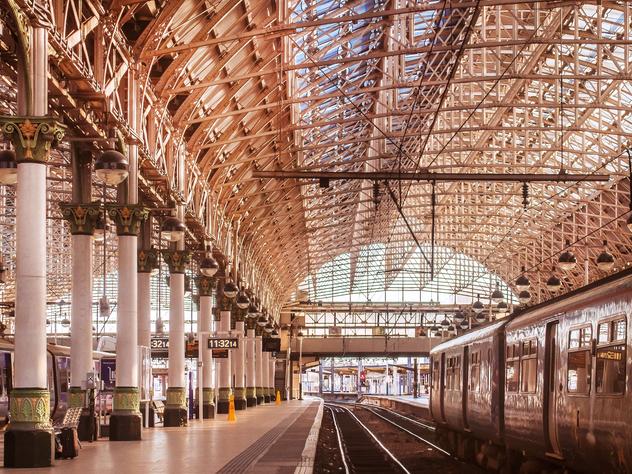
(563, 384)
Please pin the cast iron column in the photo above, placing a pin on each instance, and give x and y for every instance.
(265, 378)
(259, 367)
(206, 285)
(251, 391)
(225, 370)
(176, 408)
(125, 422)
(272, 368)
(239, 355)
(29, 440)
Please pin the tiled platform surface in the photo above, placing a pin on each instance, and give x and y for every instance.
(265, 439)
(403, 403)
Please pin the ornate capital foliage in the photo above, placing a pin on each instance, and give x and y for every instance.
(177, 260)
(30, 405)
(176, 397)
(127, 218)
(77, 397)
(81, 217)
(206, 285)
(32, 137)
(208, 396)
(126, 399)
(147, 260)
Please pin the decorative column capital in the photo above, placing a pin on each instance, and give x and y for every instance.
(81, 217)
(251, 323)
(177, 260)
(224, 304)
(32, 137)
(206, 285)
(127, 218)
(30, 406)
(147, 260)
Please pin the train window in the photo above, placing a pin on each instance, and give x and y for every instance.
(475, 371)
(610, 370)
(513, 367)
(578, 373)
(435, 374)
(580, 337)
(529, 366)
(449, 370)
(457, 373)
(610, 360)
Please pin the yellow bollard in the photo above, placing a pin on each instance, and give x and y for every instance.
(278, 398)
(231, 408)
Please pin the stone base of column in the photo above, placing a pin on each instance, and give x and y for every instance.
(223, 400)
(176, 413)
(259, 394)
(240, 398)
(251, 396)
(28, 447)
(208, 403)
(125, 426)
(266, 395)
(126, 421)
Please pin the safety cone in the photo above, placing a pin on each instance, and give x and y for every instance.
(278, 398)
(231, 408)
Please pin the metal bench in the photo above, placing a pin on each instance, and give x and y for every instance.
(159, 409)
(71, 419)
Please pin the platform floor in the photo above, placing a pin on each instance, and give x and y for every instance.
(421, 401)
(265, 439)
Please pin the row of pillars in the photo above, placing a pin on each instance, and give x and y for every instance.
(29, 440)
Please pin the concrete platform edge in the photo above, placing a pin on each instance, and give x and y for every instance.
(308, 457)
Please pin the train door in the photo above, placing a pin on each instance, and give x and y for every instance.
(465, 383)
(551, 388)
(442, 386)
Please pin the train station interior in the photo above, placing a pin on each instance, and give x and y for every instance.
(316, 236)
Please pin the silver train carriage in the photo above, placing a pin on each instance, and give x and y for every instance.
(550, 383)
(58, 366)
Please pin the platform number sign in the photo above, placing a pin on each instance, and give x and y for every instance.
(223, 343)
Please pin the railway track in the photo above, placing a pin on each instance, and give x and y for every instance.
(361, 450)
(375, 439)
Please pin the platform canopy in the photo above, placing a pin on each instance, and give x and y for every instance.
(417, 95)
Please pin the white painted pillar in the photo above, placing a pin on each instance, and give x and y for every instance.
(176, 331)
(271, 372)
(81, 312)
(144, 309)
(204, 324)
(30, 278)
(225, 369)
(265, 377)
(240, 367)
(251, 384)
(126, 324)
(259, 370)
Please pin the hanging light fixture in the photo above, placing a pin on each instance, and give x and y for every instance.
(230, 290)
(524, 297)
(445, 323)
(172, 229)
(100, 228)
(8, 167)
(464, 324)
(459, 316)
(522, 282)
(567, 260)
(111, 167)
(502, 308)
(497, 295)
(242, 300)
(477, 306)
(553, 283)
(262, 321)
(480, 317)
(605, 260)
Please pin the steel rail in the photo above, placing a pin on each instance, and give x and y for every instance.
(370, 433)
(343, 455)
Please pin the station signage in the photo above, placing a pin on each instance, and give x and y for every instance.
(159, 347)
(271, 344)
(223, 343)
(220, 353)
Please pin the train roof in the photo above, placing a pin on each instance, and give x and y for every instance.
(481, 332)
(9, 345)
(566, 302)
